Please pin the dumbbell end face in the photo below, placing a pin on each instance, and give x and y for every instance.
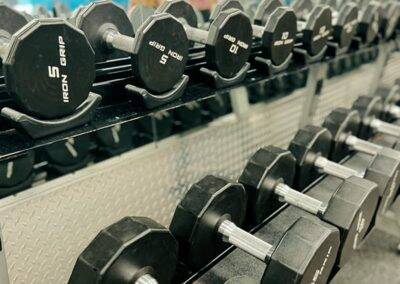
(279, 36)
(341, 123)
(369, 109)
(346, 26)
(317, 30)
(49, 69)
(98, 17)
(368, 27)
(351, 209)
(384, 170)
(199, 214)
(312, 246)
(308, 144)
(161, 43)
(264, 170)
(127, 250)
(228, 46)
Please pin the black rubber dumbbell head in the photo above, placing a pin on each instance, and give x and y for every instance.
(390, 14)
(68, 152)
(223, 5)
(369, 108)
(228, 47)
(282, 26)
(11, 20)
(317, 29)
(305, 254)
(95, 18)
(346, 25)
(341, 123)
(48, 67)
(264, 10)
(153, 52)
(117, 137)
(14, 170)
(389, 97)
(309, 143)
(368, 26)
(264, 170)
(352, 208)
(197, 217)
(125, 251)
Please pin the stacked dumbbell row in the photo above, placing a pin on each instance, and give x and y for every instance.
(18, 171)
(65, 73)
(212, 212)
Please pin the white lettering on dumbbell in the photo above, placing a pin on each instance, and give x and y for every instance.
(360, 228)
(54, 71)
(234, 48)
(320, 271)
(322, 33)
(10, 169)
(164, 58)
(70, 147)
(284, 40)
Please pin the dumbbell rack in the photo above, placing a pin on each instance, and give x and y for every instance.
(45, 228)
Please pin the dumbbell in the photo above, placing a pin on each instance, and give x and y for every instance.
(15, 170)
(227, 42)
(134, 250)
(269, 175)
(209, 217)
(344, 22)
(274, 24)
(61, 10)
(156, 126)
(368, 26)
(159, 50)
(69, 154)
(314, 25)
(370, 109)
(344, 125)
(389, 17)
(311, 147)
(48, 64)
(390, 99)
(117, 138)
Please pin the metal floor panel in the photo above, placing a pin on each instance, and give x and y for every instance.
(45, 228)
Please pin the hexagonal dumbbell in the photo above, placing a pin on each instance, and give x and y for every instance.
(371, 109)
(389, 13)
(368, 27)
(117, 138)
(15, 172)
(68, 155)
(48, 64)
(274, 24)
(268, 177)
(160, 45)
(390, 99)
(314, 25)
(312, 146)
(209, 217)
(135, 250)
(227, 41)
(344, 125)
(344, 22)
